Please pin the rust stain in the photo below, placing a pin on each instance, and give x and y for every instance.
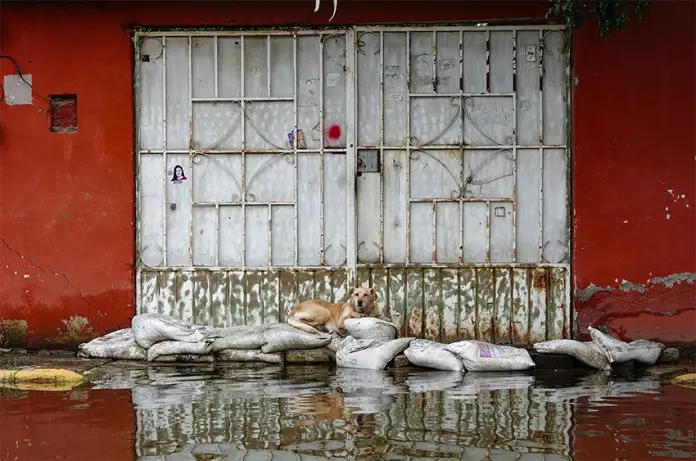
(415, 321)
(539, 281)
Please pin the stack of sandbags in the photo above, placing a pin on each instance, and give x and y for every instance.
(168, 339)
(119, 344)
(603, 350)
(371, 344)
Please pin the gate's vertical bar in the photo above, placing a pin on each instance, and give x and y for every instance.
(190, 150)
(351, 134)
(408, 147)
(294, 145)
(242, 108)
(268, 65)
(488, 231)
(138, 186)
(434, 61)
(381, 147)
(164, 150)
(541, 204)
(269, 239)
(434, 233)
(541, 86)
(321, 151)
(215, 63)
(461, 146)
(514, 146)
(217, 235)
(488, 61)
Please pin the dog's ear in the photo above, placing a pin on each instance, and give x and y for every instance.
(351, 291)
(373, 293)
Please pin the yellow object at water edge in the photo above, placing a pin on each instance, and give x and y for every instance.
(42, 376)
(688, 380)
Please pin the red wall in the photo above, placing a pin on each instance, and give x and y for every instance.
(66, 200)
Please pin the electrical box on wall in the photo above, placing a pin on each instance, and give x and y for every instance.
(17, 90)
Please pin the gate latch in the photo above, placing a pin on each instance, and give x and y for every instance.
(368, 161)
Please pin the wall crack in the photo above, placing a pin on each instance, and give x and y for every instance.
(38, 266)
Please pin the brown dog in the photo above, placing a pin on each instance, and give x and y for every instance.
(315, 315)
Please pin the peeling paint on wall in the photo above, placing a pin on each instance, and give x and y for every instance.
(13, 332)
(662, 308)
(76, 330)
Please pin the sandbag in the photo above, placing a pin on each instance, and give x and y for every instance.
(588, 353)
(430, 354)
(617, 351)
(370, 354)
(244, 338)
(320, 355)
(178, 348)
(280, 337)
(185, 358)
(149, 329)
(119, 344)
(238, 355)
(371, 328)
(483, 356)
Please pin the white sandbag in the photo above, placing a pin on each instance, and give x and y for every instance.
(178, 348)
(119, 344)
(244, 338)
(238, 355)
(483, 356)
(369, 354)
(281, 337)
(586, 352)
(617, 351)
(371, 328)
(185, 358)
(430, 354)
(149, 329)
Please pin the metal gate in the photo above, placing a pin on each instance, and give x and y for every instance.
(428, 162)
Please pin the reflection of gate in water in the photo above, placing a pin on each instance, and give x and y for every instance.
(432, 164)
(479, 414)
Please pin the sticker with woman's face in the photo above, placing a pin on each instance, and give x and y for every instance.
(178, 176)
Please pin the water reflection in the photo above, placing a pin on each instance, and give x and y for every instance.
(222, 412)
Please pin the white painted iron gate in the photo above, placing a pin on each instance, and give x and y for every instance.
(428, 162)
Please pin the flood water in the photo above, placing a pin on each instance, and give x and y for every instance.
(319, 412)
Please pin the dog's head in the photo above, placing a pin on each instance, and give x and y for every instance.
(362, 299)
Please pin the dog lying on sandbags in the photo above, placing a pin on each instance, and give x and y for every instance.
(315, 316)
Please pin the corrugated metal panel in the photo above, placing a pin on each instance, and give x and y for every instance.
(501, 304)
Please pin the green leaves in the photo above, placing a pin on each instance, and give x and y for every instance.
(609, 15)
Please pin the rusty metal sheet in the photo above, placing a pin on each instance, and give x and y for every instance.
(397, 297)
(288, 293)
(556, 319)
(184, 295)
(322, 285)
(467, 303)
(414, 299)
(339, 284)
(253, 307)
(485, 296)
(270, 298)
(450, 305)
(520, 307)
(432, 303)
(380, 283)
(305, 285)
(537, 298)
(502, 318)
(201, 298)
(237, 298)
(219, 299)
